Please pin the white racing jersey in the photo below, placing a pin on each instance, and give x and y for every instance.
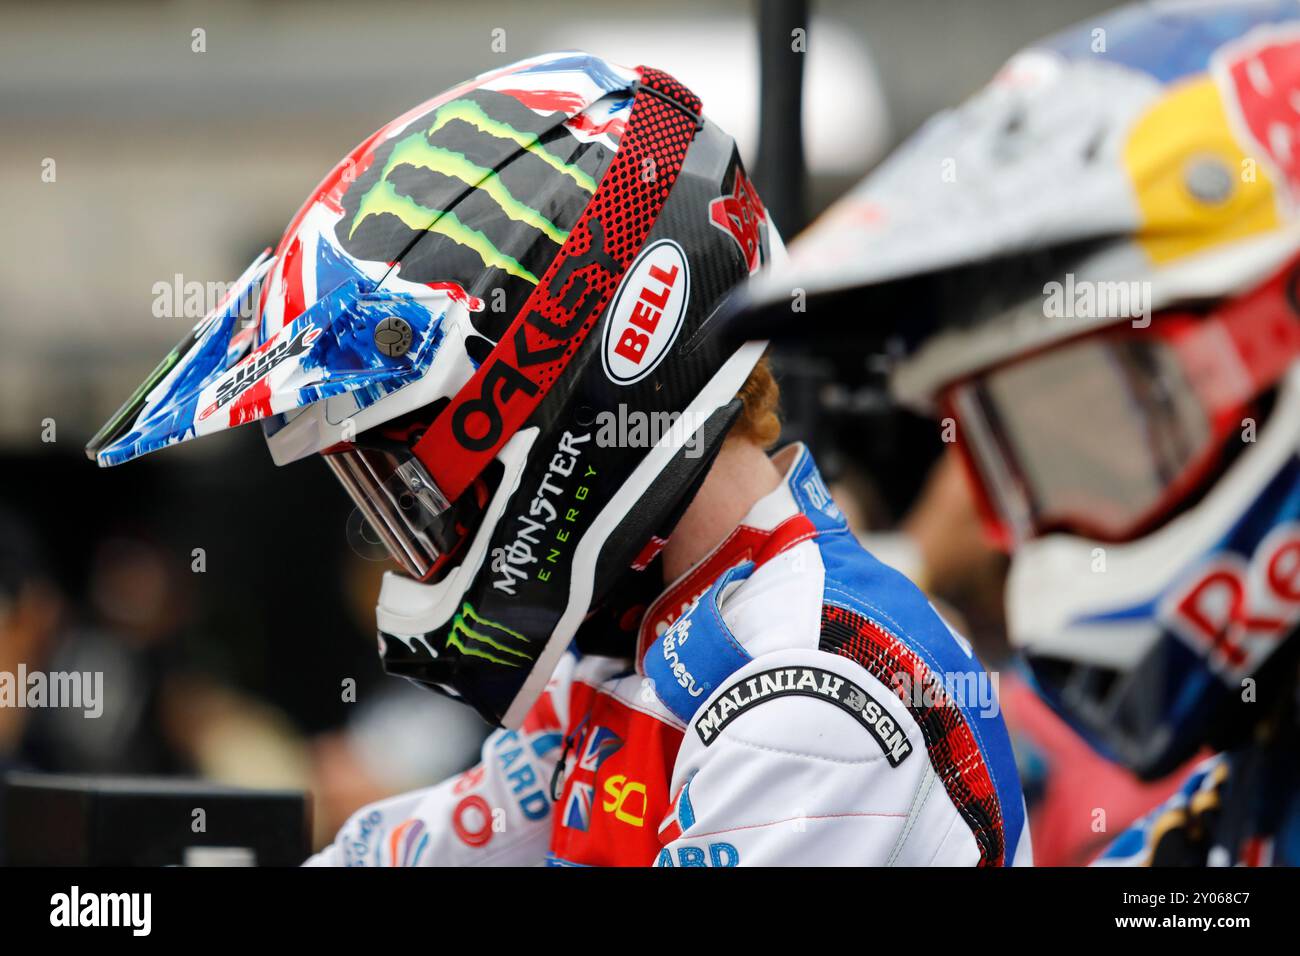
(792, 701)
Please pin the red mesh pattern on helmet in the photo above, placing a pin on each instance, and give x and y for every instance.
(954, 752)
(661, 81)
(574, 291)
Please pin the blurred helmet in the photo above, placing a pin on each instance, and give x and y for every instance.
(1090, 268)
(463, 319)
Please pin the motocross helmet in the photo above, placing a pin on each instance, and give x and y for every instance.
(456, 319)
(1090, 269)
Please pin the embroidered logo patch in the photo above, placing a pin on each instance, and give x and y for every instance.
(805, 682)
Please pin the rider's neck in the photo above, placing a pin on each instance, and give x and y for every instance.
(741, 475)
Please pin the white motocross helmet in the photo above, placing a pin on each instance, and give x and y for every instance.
(1090, 270)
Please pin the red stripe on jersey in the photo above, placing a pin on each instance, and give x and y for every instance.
(954, 752)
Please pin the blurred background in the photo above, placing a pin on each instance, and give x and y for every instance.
(217, 593)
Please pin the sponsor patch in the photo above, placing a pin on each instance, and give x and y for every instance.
(805, 682)
(258, 365)
(471, 821)
(511, 562)
(719, 854)
(1235, 610)
(741, 216)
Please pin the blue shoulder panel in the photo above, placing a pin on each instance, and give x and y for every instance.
(698, 651)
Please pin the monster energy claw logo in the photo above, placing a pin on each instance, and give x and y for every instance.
(476, 636)
(495, 186)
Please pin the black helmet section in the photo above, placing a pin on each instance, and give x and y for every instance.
(596, 496)
(893, 318)
(482, 130)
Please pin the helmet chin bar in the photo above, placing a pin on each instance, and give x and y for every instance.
(711, 406)
(417, 619)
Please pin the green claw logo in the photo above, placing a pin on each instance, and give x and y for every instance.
(489, 184)
(476, 636)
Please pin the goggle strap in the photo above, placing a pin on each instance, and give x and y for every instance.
(535, 350)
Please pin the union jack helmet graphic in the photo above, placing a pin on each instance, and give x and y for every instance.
(451, 318)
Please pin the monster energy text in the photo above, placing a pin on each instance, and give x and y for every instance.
(511, 561)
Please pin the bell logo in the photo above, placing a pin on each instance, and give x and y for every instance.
(647, 313)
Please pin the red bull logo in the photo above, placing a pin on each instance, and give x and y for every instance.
(1262, 74)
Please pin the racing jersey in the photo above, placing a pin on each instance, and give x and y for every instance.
(791, 701)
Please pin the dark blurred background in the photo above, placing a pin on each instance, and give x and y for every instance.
(171, 165)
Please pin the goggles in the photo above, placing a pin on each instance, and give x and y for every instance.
(1106, 435)
(401, 503)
